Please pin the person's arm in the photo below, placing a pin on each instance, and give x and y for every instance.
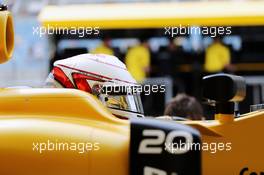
(227, 60)
(129, 60)
(146, 62)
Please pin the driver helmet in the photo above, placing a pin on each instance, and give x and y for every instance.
(104, 76)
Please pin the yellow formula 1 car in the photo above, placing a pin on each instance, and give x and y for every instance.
(66, 131)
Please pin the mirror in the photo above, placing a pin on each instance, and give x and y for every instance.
(6, 34)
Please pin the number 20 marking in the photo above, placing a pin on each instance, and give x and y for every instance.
(153, 145)
(160, 137)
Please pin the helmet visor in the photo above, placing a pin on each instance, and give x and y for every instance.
(129, 102)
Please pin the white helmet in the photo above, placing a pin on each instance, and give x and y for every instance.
(95, 74)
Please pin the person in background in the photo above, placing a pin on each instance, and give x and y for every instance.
(184, 106)
(217, 57)
(104, 48)
(138, 60)
(165, 58)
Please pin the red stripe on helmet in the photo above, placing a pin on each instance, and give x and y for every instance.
(62, 78)
(80, 81)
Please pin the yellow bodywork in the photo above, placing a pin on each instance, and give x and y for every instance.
(246, 137)
(30, 116)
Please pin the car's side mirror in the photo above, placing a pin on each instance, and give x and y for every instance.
(224, 90)
(6, 34)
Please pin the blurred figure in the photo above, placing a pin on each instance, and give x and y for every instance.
(184, 106)
(166, 56)
(217, 57)
(104, 48)
(138, 61)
